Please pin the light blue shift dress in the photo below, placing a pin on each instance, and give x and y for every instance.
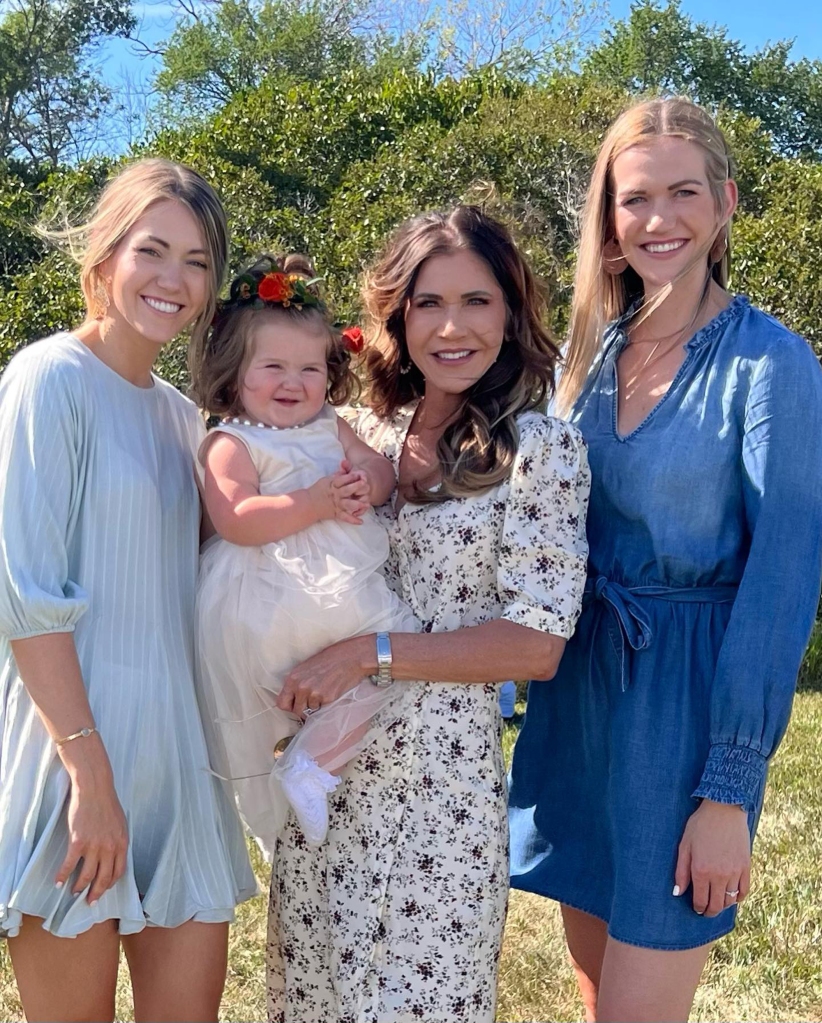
(705, 534)
(99, 527)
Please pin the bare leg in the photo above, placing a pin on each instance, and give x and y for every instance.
(67, 979)
(587, 937)
(645, 985)
(178, 973)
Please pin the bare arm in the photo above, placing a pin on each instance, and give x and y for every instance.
(540, 606)
(98, 832)
(492, 652)
(243, 516)
(379, 472)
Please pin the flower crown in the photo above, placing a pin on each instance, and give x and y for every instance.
(279, 288)
(274, 288)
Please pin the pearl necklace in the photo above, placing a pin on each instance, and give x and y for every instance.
(262, 426)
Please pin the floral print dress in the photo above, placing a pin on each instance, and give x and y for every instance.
(399, 916)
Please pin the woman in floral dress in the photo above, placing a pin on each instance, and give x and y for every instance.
(399, 916)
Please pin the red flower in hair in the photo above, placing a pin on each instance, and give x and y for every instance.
(354, 340)
(276, 287)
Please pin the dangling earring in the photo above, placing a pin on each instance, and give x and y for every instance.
(613, 261)
(719, 248)
(102, 300)
(404, 370)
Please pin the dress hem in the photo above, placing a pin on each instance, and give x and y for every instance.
(11, 926)
(636, 943)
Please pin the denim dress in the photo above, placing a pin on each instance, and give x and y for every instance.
(705, 534)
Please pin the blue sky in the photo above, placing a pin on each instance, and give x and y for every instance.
(756, 22)
(752, 22)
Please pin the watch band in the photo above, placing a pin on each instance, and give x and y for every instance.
(384, 661)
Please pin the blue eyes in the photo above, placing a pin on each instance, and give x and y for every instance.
(684, 193)
(147, 250)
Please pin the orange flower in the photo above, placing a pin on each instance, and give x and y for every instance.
(276, 287)
(354, 340)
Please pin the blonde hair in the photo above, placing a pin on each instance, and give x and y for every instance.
(125, 199)
(477, 449)
(601, 296)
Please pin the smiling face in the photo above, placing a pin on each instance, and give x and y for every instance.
(665, 215)
(158, 277)
(285, 380)
(455, 321)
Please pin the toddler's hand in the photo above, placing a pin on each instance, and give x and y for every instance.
(361, 491)
(332, 496)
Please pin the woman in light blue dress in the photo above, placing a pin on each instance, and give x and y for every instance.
(111, 826)
(638, 778)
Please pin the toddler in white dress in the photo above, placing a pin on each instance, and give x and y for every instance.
(296, 564)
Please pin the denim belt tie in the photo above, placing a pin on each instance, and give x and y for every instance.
(628, 621)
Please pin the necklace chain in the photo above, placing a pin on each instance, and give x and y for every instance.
(632, 384)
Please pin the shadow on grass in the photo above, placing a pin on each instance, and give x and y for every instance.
(810, 674)
(515, 721)
(809, 682)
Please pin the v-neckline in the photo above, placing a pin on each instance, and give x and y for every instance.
(693, 343)
(409, 412)
(622, 437)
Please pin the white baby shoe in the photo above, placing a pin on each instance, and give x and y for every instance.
(306, 786)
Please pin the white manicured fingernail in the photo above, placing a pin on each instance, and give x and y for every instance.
(677, 890)
(59, 884)
(93, 903)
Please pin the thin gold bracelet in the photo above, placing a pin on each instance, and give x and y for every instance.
(84, 733)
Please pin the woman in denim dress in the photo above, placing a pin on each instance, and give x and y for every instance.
(638, 778)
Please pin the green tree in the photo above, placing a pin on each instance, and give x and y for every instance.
(51, 98)
(660, 49)
(518, 38)
(219, 50)
(777, 254)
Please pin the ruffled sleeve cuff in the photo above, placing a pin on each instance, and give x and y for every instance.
(733, 774)
(37, 613)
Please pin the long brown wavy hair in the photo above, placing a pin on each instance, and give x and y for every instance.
(477, 449)
(600, 296)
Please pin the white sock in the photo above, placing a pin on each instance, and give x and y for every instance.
(306, 786)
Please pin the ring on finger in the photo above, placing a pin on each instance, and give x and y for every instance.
(733, 894)
(313, 710)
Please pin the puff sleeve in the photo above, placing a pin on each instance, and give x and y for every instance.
(543, 550)
(41, 481)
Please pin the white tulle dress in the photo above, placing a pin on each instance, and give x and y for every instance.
(263, 610)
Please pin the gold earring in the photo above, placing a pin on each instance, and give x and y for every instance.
(719, 247)
(101, 300)
(613, 261)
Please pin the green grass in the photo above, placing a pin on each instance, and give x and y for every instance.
(770, 968)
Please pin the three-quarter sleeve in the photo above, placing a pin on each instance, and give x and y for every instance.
(40, 485)
(543, 550)
(774, 609)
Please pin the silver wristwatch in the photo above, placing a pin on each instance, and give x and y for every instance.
(383, 677)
